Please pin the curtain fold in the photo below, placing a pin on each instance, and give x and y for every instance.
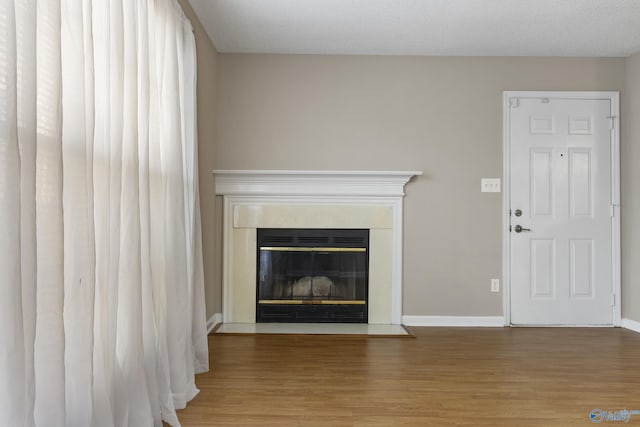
(102, 318)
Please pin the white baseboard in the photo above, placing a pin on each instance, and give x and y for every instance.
(464, 321)
(632, 325)
(213, 321)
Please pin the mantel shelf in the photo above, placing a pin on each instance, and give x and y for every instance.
(312, 183)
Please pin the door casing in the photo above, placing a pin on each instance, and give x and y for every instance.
(614, 98)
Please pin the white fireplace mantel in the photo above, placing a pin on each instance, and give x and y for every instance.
(312, 199)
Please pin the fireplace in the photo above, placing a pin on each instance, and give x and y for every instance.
(362, 200)
(312, 275)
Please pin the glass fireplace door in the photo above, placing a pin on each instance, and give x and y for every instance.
(312, 275)
(313, 283)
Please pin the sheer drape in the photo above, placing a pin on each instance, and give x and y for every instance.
(102, 317)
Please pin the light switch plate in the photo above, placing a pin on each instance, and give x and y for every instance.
(490, 185)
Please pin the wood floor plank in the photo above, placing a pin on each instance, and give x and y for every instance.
(445, 377)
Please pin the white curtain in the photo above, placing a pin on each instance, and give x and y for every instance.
(102, 318)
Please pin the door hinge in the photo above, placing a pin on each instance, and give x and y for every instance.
(612, 121)
(612, 211)
(514, 102)
(613, 300)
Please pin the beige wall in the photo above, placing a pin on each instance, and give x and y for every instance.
(206, 93)
(439, 115)
(630, 199)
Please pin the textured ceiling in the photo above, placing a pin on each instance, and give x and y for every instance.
(424, 27)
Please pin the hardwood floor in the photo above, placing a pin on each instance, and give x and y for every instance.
(444, 377)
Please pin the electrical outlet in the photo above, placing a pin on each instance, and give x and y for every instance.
(490, 185)
(495, 285)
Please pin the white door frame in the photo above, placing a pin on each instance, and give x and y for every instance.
(614, 97)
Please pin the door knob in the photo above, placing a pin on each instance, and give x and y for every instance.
(520, 229)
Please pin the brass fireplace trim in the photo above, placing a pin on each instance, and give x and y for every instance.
(310, 302)
(304, 249)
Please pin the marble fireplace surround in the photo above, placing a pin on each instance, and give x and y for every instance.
(255, 199)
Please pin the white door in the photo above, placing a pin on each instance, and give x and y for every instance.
(561, 212)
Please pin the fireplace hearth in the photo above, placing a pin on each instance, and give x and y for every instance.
(312, 275)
